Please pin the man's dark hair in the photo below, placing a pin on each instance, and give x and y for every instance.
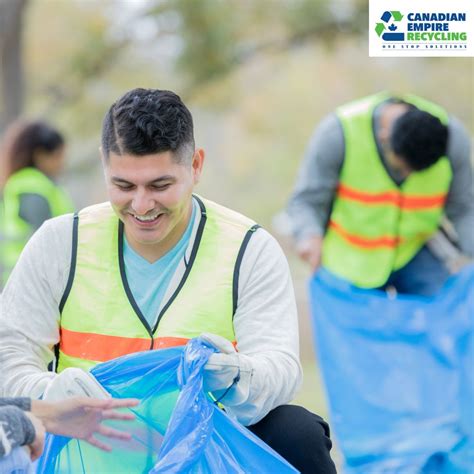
(419, 138)
(148, 121)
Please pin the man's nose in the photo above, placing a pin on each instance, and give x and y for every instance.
(142, 202)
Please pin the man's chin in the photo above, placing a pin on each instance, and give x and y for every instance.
(150, 239)
(143, 236)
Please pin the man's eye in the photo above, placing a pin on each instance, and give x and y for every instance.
(124, 187)
(161, 187)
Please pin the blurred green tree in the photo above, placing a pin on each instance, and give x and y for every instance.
(217, 36)
(59, 60)
(81, 42)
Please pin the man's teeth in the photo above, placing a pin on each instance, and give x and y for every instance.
(146, 218)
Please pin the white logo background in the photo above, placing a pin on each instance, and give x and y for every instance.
(380, 48)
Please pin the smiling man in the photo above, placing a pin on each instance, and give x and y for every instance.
(153, 267)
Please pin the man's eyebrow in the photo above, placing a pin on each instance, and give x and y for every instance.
(163, 178)
(160, 179)
(116, 179)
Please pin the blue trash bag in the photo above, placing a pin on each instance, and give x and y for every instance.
(177, 427)
(399, 374)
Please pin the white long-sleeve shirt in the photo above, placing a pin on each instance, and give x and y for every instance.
(265, 321)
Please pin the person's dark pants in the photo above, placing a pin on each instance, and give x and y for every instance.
(299, 436)
(423, 275)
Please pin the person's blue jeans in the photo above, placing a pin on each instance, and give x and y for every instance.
(423, 275)
(17, 462)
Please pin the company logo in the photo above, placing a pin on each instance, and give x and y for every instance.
(421, 28)
(389, 22)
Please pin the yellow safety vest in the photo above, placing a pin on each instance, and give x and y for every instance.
(14, 231)
(376, 226)
(100, 319)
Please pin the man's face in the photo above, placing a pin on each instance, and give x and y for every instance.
(152, 196)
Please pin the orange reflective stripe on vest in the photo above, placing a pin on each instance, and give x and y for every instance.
(359, 241)
(395, 198)
(386, 241)
(102, 347)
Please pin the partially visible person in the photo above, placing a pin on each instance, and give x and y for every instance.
(378, 176)
(31, 159)
(24, 422)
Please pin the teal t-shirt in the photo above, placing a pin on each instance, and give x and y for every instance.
(148, 282)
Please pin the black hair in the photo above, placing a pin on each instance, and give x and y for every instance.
(22, 140)
(148, 121)
(419, 138)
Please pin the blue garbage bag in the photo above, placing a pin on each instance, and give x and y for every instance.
(178, 429)
(399, 374)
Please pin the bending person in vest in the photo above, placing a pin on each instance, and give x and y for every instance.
(151, 268)
(378, 177)
(31, 160)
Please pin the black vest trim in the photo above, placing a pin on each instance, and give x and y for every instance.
(126, 286)
(72, 269)
(197, 242)
(240, 256)
(53, 365)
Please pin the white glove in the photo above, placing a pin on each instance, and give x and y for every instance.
(223, 368)
(74, 382)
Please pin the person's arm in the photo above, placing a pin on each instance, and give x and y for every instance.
(29, 310)
(24, 403)
(459, 206)
(16, 429)
(79, 418)
(34, 209)
(82, 418)
(318, 176)
(315, 188)
(266, 329)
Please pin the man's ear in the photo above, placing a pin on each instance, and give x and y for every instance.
(197, 164)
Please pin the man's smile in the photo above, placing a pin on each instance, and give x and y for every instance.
(148, 220)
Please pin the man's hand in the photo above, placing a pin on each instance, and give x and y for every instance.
(222, 368)
(36, 447)
(82, 418)
(310, 249)
(74, 382)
